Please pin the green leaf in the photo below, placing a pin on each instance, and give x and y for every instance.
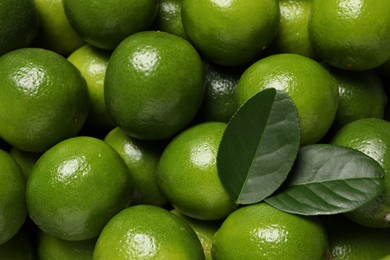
(259, 146)
(329, 179)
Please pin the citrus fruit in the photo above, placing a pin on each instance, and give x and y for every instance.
(361, 95)
(353, 35)
(293, 34)
(147, 232)
(141, 158)
(230, 33)
(311, 87)
(19, 247)
(55, 33)
(188, 175)
(219, 102)
(44, 99)
(259, 231)
(372, 137)
(18, 24)
(25, 160)
(13, 209)
(50, 248)
(105, 23)
(168, 17)
(348, 240)
(154, 85)
(205, 230)
(76, 187)
(92, 63)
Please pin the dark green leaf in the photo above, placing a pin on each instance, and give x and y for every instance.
(329, 179)
(259, 146)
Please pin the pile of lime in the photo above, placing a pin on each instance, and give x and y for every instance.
(194, 129)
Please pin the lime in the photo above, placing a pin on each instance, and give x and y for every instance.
(19, 24)
(293, 34)
(25, 160)
(147, 232)
(50, 248)
(76, 187)
(311, 87)
(105, 23)
(361, 95)
(353, 35)
(219, 102)
(43, 100)
(55, 33)
(92, 63)
(188, 175)
(348, 240)
(13, 209)
(259, 231)
(169, 17)
(141, 158)
(230, 33)
(151, 92)
(372, 137)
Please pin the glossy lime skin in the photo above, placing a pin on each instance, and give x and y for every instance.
(348, 240)
(13, 211)
(76, 187)
(230, 33)
(353, 35)
(312, 88)
(55, 32)
(92, 63)
(169, 18)
(372, 137)
(18, 24)
(44, 99)
(259, 231)
(293, 35)
(50, 247)
(105, 23)
(219, 102)
(141, 158)
(188, 174)
(154, 85)
(147, 232)
(361, 95)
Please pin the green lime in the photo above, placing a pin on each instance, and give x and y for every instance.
(353, 35)
(348, 240)
(13, 211)
(76, 187)
(154, 85)
(231, 33)
(147, 232)
(92, 63)
(55, 33)
(169, 17)
(105, 23)
(219, 102)
(205, 230)
(361, 95)
(50, 248)
(311, 87)
(44, 99)
(372, 137)
(259, 231)
(141, 158)
(293, 34)
(188, 175)
(25, 160)
(18, 24)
